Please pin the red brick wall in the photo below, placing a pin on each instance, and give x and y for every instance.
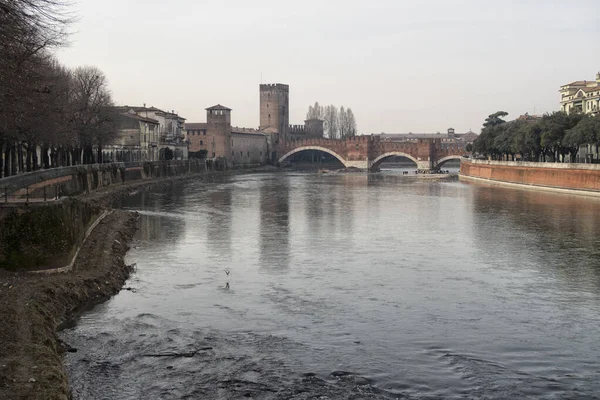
(564, 176)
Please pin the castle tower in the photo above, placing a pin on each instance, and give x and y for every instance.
(314, 128)
(218, 130)
(274, 108)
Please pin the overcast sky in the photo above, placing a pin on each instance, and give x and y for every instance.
(419, 66)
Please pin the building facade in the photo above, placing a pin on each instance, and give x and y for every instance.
(136, 139)
(170, 135)
(219, 140)
(581, 96)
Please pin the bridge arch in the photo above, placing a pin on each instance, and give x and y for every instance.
(319, 148)
(376, 162)
(447, 158)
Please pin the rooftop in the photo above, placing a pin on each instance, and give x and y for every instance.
(195, 125)
(218, 107)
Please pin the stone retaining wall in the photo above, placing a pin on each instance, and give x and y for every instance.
(69, 181)
(580, 177)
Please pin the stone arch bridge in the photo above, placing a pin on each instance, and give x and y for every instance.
(368, 152)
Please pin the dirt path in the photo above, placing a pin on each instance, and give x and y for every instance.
(33, 306)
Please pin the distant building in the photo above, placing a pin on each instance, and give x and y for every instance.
(581, 96)
(275, 116)
(449, 137)
(529, 118)
(237, 146)
(241, 146)
(171, 131)
(135, 138)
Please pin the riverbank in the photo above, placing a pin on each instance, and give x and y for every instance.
(32, 307)
(579, 179)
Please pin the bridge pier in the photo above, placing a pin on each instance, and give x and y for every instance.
(358, 164)
(424, 165)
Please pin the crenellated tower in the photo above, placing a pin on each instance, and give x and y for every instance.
(218, 128)
(275, 108)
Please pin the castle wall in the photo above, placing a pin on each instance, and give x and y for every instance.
(248, 148)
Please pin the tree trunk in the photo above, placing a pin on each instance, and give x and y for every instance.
(13, 160)
(28, 157)
(20, 164)
(7, 160)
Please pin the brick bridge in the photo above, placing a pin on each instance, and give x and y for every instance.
(368, 152)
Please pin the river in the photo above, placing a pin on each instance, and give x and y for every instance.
(349, 286)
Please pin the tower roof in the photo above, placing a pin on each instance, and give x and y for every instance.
(219, 107)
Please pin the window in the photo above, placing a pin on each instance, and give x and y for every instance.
(241, 154)
(248, 154)
(269, 115)
(261, 153)
(213, 154)
(201, 143)
(204, 133)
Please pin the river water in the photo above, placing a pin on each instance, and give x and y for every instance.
(349, 286)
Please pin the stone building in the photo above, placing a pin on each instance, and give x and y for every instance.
(274, 108)
(171, 131)
(275, 117)
(136, 139)
(581, 96)
(243, 146)
(237, 146)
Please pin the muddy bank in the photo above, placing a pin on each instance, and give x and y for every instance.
(32, 307)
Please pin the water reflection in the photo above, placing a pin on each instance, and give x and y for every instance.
(551, 231)
(218, 224)
(274, 240)
(406, 288)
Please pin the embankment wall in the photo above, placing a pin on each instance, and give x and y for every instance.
(583, 178)
(38, 234)
(78, 179)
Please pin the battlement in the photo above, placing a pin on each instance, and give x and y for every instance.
(274, 87)
(362, 138)
(297, 130)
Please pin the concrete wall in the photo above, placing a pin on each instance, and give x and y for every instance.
(584, 177)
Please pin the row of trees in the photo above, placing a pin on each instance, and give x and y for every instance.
(554, 137)
(338, 123)
(64, 114)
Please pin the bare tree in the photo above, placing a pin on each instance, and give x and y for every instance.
(28, 30)
(350, 123)
(93, 116)
(315, 112)
(330, 117)
(342, 123)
